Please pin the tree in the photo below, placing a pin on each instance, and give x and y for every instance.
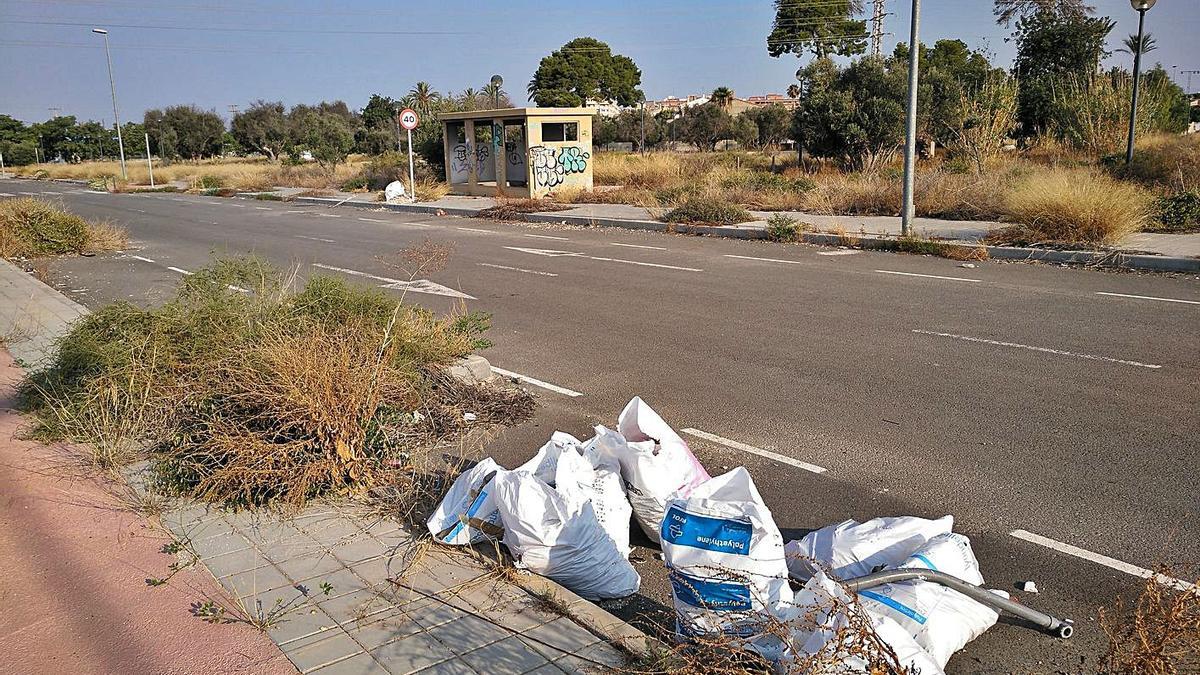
(744, 130)
(1007, 10)
(184, 131)
(722, 96)
(706, 125)
(423, 97)
(495, 96)
(1054, 48)
(1148, 44)
(824, 27)
(793, 91)
(380, 112)
(585, 69)
(772, 122)
(988, 115)
(631, 123)
(322, 132)
(261, 127)
(853, 115)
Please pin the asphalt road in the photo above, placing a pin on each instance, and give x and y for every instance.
(1057, 401)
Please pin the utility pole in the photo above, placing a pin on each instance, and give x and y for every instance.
(396, 119)
(54, 111)
(113, 86)
(1190, 73)
(877, 14)
(909, 212)
(149, 163)
(642, 145)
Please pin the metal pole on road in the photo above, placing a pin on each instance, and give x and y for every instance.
(113, 86)
(909, 212)
(1141, 6)
(412, 183)
(149, 164)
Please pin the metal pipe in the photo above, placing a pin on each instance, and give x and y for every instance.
(1137, 77)
(1060, 627)
(908, 212)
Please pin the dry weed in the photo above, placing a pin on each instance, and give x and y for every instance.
(1159, 634)
(1073, 207)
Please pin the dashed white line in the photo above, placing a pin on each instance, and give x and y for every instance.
(928, 276)
(138, 257)
(538, 383)
(415, 285)
(179, 270)
(472, 229)
(518, 269)
(31, 194)
(327, 215)
(7, 194)
(1099, 559)
(242, 206)
(1149, 297)
(327, 241)
(547, 236)
(258, 208)
(1046, 350)
(186, 273)
(551, 253)
(843, 252)
(373, 220)
(738, 445)
(774, 260)
(645, 264)
(652, 248)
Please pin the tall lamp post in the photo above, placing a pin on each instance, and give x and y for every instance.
(112, 86)
(1141, 6)
(908, 209)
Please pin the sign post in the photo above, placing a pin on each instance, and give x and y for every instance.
(149, 164)
(409, 120)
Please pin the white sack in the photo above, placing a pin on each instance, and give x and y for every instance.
(393, 191)
(608, 491)
(655, 464)
(823, 609)
(725, 557)
(852, 549)
(559, 537)
(458, 503)
(941, 620)
(544, 462)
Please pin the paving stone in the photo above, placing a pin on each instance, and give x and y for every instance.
(358, 549)
(376, 571)
(509, 655)
(411, 653)
(467, 633)
(355, 607)
(195, 530)
(363, 664)
(307, 568)
(343, 582)
(313, 655)
(548, 669)
(434, 614)
(562, 633)
(307, 622)
(598, 658)
(521, 614)
(382, 628)
(333, 530)
(451, 667)
(219, 545)
(229, 564)
(256, 582)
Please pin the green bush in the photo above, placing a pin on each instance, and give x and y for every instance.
(767, 182)
(785, 229)
(1180, 211)
(209, 182)
(703, 209)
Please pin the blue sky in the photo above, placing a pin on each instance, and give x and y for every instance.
(211, 53)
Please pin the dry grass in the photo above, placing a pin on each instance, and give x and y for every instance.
(1159, 634)
(271, 395)
(1057, 206)
(34, 227)
(238, 174)
(511, 209)
(1164, 162)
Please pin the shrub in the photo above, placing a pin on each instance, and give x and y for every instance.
(1163, 162)
(705, 209)
(32, 227)
(270, 395)
(1158, 633)
(208, 182)
(784, 229)
(1075, 207)
(1180, 211)
(767, 182)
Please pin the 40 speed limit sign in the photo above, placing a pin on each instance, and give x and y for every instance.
(409, 119)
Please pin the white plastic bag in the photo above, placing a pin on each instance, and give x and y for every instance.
(393, 191)
(558, 536)
(608, 491)
(725, 557)
(544, 462)
(655, 464)
(469, 497)
(824, 610)
(940, 619)
(851, 549)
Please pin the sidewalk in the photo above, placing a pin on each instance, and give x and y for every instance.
(1145, 250)
(337, 588)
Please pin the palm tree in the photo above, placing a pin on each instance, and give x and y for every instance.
(423, 96)
(793, 91)
(470, 98)
(722, 96)
(1149, 44)
(494, 94)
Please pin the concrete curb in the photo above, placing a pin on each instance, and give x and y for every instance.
(1111, 259)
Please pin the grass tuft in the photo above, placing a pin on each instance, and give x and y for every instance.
(1158, 634)
(1074, 208)
(32, 227)
(703, 209)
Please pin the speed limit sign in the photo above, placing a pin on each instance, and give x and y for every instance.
(409, 119)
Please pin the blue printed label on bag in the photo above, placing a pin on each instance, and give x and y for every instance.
(713, 595)
(720, 535)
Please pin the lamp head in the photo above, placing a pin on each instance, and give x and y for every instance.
(1142, 5)
(99, 31)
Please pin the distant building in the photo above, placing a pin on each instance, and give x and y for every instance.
(605, 108)
(769, 99)
(675, 104)
(735, 107)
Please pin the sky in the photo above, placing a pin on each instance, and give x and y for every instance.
(217, 53)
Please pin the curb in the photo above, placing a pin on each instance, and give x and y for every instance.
(1110, 259)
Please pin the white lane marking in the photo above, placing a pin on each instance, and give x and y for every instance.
(138, 257)
(472, 229)
(186, 273)
(242, 206)
(1099, 559)
(373, 220)
(555, 254)
(1047, 350)
(7, 194)
(90, 192)
(518, 269)
(537, 383)
(50, 192)
(416, 285)
(181, 271)
(737, 445)
(327, 241)
(296, 212)
(31, 194)
(845, 252)
(1149, 297)
(775, 260)
(327, 215)
(928, 276)
(547, 236)
(652, 248)
(257, 208)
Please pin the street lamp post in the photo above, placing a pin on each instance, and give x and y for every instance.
(112, 86)
(1141, 6)
(908, 212)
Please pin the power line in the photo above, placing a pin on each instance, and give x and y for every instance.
(240, 29)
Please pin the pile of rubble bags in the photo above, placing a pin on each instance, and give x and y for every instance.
(565, 513)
